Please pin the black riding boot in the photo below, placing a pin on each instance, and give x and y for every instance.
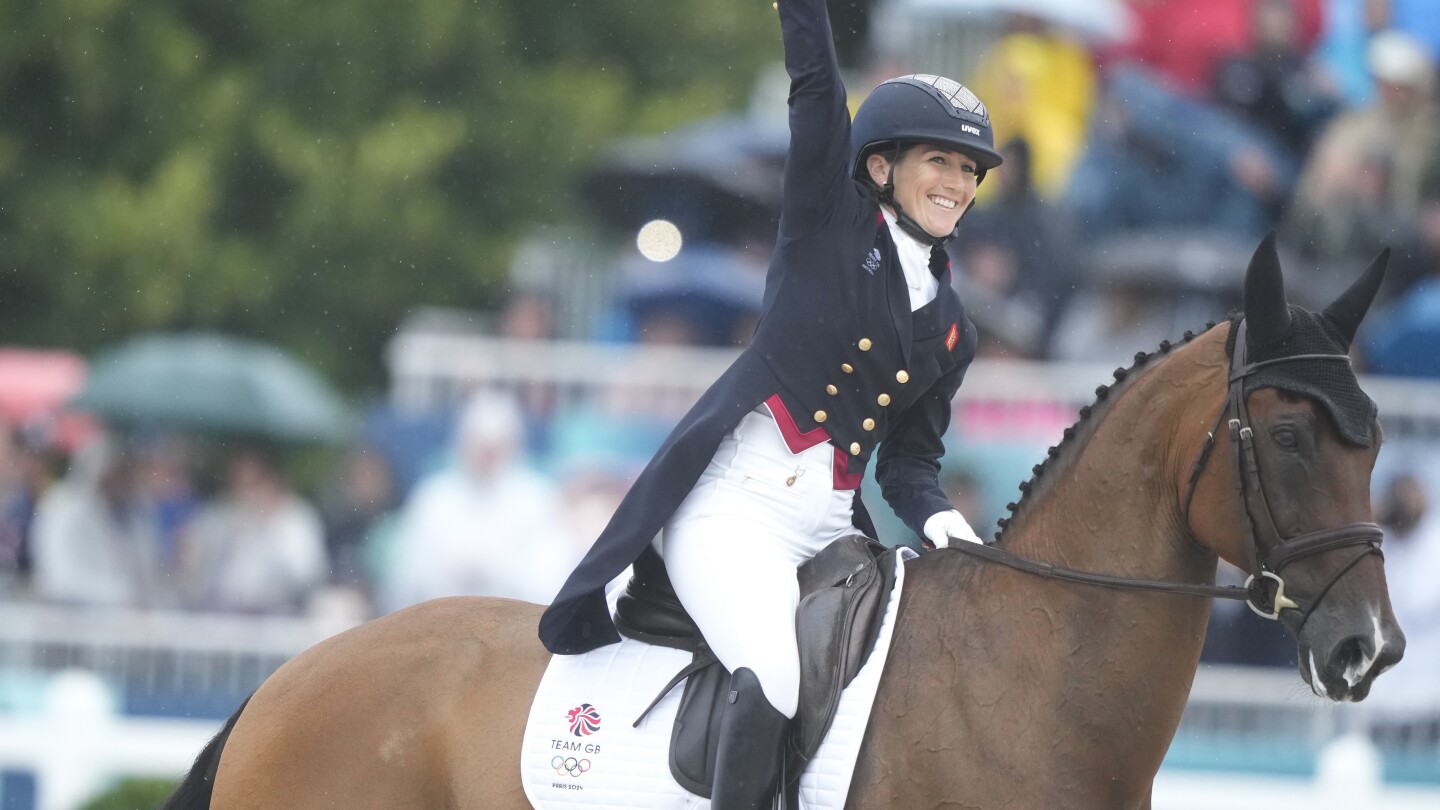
(751, 745)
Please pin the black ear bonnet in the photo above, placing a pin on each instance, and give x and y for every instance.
(1328, 382)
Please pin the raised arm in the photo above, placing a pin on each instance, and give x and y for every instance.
(815, 168)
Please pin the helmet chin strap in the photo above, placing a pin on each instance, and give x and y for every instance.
(908, 223)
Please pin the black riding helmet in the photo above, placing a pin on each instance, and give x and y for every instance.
(914, 109)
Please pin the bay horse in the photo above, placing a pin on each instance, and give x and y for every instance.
(1002, 689)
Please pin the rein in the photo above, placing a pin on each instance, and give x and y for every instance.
(1264, 591)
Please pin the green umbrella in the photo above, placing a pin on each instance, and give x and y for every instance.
(214, 384)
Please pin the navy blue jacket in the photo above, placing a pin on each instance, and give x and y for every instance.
(837, 343)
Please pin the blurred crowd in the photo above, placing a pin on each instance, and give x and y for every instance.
(1138, 178)
(1142, 174)
(173, 522)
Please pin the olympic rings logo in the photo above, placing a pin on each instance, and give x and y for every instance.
(569, 765)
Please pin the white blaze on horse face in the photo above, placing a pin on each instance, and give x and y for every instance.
(1316, 685)
(1379, 639)
(1356, 672)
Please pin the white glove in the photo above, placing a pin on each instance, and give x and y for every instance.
(941, 527)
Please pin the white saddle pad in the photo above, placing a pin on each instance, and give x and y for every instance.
(581, 749)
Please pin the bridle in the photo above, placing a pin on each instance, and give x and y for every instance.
(1266, 550)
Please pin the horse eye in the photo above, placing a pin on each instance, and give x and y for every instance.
(1285, 437)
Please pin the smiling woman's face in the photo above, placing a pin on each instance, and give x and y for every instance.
(933, 184)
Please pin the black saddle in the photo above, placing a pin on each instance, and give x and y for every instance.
(843, 593)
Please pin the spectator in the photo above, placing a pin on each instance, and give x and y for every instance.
(1273, 84)
(486, 525)
(1014, 260)
(1404, 341)
(1043, 86)
(1185, 40)
(1342, 52)
(1360, 190)
(359, 502)
(257, 548)
(529, 315)
(165, 473)
(15, 512)
(25, 475)
(96, 537)
(1147, 141)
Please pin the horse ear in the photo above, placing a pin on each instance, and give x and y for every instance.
(1265, 309)
(1350, 308)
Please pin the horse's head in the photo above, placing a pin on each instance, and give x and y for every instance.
(1302, 439)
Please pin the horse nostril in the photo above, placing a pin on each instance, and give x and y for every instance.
(1352, 659)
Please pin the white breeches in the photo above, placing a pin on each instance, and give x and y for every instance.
(732, 548)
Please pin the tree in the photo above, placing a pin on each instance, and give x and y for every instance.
(306, 172)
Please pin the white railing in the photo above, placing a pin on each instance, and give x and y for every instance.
(154, 652)
(432, 371)
(77, 743)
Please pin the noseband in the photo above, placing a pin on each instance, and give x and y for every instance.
(1266, 550)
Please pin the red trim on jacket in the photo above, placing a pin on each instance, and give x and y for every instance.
(798, 442)
(844, 479)
(795, 440)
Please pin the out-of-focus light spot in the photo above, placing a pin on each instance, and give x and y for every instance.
(659, 240)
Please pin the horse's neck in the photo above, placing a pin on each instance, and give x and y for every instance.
(1112, 499)
(1087, 671)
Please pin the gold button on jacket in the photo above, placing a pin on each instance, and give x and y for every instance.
(821, 416)
(865, 344)
(868, 424)
(854, 448)
(831, 390)
(902, 376)
(883, 399)
(847, 368)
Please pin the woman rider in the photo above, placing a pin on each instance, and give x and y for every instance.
(861, 345)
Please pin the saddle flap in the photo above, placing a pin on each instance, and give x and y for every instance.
(843, 593)
(695, 739)
(844, 590)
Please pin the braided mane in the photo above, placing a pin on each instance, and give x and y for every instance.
(1088, 414)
